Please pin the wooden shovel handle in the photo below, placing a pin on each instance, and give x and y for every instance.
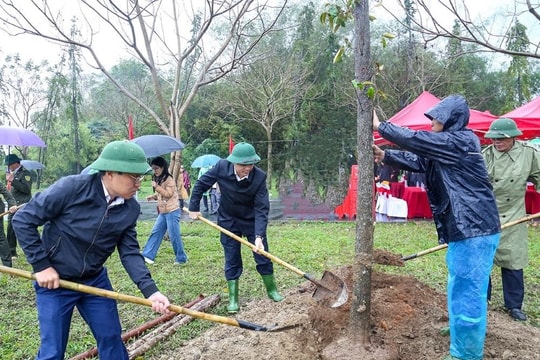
(444, 246)
(137, 300)
(7, 212)
(519, 221)
(253, 247)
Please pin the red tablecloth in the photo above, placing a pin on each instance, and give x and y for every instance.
(532, 201)
(417, 202)
(396, 189)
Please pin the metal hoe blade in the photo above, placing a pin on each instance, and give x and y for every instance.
(277, 328)
(331, 290)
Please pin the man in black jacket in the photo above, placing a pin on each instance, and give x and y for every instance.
(243, 210)
(84, 218)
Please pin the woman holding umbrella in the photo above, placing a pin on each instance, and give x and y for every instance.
(168, 218)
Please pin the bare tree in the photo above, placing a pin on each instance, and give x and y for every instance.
(24, 92)
(267, 93)
(154, 32)
(431, 21)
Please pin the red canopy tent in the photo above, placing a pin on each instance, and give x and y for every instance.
(527, 118)
(412, 116)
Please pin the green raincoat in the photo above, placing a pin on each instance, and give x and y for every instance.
(509, 173)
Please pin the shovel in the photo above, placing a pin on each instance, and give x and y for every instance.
(330, 289)
(137, 300)
(444, 246)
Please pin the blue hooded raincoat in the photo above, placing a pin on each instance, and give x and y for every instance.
(464, 211)
(458, 186)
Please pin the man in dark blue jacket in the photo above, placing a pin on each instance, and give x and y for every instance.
(85, 218)
(243, 210)
(464, 211)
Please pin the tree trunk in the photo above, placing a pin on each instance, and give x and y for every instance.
(269, 160)
(176, 157)
(361, 305)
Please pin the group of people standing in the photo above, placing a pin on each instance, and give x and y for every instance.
(84, 218)
(391, 173)
(471, 192)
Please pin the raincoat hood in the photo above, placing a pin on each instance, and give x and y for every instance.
(452, 112)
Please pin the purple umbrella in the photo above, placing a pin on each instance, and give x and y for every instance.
(15, 136)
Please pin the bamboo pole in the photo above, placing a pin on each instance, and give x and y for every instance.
(146, 302)
(444, 246)
(138, 330)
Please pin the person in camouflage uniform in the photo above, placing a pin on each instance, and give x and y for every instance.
(5, 254)
(19, 183)
(511, 163)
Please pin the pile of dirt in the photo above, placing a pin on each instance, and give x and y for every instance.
(406, 317)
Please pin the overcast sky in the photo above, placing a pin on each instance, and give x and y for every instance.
(111, 52)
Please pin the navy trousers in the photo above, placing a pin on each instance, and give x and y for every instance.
(55, 309)
(513, 288)
(233, 257)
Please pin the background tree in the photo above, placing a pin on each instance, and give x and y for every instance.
(24, 93)
(266, 93)
(106, 105)
(223, 34)
(74, 59)
(517, 76)
(320, 131)
(310, 145)
(431, 17)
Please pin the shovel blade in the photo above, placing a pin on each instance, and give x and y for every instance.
(331, 290)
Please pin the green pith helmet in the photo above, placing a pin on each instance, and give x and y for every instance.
(503, 128)
(244, 153)
(122, 156)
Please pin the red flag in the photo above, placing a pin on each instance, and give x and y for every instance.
(131, 132)
(231, 144)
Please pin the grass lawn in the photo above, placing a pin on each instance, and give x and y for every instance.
(310, 246)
